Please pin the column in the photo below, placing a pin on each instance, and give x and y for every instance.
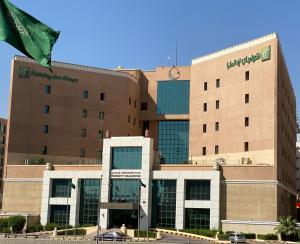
(180, 195)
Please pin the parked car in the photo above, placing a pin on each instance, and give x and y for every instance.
(237, 238)
(111, 236)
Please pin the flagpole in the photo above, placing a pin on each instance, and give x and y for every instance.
(139, 199)
(98, 216)
(67, 210)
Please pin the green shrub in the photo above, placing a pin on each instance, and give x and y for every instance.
(223, 236)
(6, 230)
(202, 232)
(267, 237)
(34, 228)
(143, 233)
(86, 225)
(77, 232)
(249, 235)
(16, 223)
(51, 226)
(3, 224)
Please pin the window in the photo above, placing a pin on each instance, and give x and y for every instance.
(89, 197)
(45, 129)
(82, 152)
(217, 83)
(84, 113)
(204, 107)
(247, 75)
(44, 150)
(61, 188)
(173, 141)
(144, 106)
(59, 214)
(246, 121)
(126, 158)
(217, 126)
(47, 89)
(101, 115)
(99, 154)
(217, 104)
(205, 86)
(134, 103)
(216, 149)
(85, 94)
(164, 203)
(102, 96)
(129, 101)
(197, 190)
(203, 151)
(246, 98)
(2, 140)
(133, 121)
(83, 133)
(1, 151)
(2, 128)
(128, 120)
(246, 146)
(204, 128)
(100, 134)
(46, 109)
(173, 97)
(125, 190)
(197, 218)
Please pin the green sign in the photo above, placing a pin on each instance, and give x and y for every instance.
(264, 55)
(26, 73)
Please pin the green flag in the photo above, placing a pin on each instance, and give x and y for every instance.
(27, 34)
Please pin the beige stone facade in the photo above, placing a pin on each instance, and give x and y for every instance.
(3, 123)
(242, 116)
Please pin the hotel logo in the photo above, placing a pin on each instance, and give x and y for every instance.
(266, 53)
(24, 72)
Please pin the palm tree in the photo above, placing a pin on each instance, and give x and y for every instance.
(287, 227)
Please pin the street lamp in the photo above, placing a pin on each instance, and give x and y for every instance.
(139, 204)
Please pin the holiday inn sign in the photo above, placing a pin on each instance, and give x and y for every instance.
(264, 55)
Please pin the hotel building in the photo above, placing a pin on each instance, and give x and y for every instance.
(203, 146)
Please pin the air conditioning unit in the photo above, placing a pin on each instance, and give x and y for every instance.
(248, 161)
(245, 160)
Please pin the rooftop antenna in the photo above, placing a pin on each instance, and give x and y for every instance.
(176, 52)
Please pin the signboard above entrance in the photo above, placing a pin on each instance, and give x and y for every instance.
(135, 174)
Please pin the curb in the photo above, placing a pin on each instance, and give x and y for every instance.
(179, 233)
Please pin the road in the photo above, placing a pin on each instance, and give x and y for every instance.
(168, 238)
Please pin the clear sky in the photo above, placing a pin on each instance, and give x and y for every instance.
(142, 33)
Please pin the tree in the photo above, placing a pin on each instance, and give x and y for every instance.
(286, 228)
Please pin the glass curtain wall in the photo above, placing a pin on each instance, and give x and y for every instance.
(173, 97)
(163, 203)
(124, 190)
(197, 218)
(59, 214)
(197, 190)
(89, 196)
(173, 142)
(126, 157)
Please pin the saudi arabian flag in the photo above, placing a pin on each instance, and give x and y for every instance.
(27, 34)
